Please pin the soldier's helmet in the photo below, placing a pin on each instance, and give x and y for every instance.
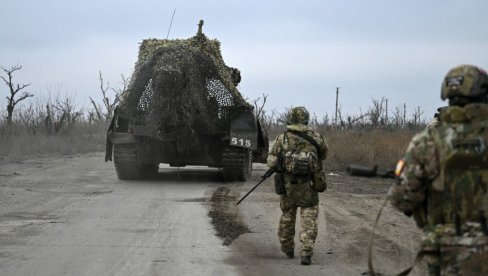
(298, 115)
(465, 80)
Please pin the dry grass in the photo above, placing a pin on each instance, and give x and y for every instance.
(19, 142)
(366, 147)
(382, 147)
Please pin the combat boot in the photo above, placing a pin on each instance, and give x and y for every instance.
(289, 252)
(306, 260)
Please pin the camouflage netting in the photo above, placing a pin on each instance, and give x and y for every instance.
(183, 88)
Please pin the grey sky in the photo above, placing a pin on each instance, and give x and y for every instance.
(297, 52)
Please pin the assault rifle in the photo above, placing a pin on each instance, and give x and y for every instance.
(358, 170)
(265, 176)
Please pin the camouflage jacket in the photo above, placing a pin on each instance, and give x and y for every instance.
(427, 168)
(298, 192)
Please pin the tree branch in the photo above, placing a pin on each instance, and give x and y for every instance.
(23, 97)
(20, 87)
(97, 110)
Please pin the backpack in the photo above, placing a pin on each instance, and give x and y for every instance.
(460, 195)
(301, 156)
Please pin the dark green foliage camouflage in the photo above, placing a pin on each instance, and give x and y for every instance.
(181, 89)
(465, 80)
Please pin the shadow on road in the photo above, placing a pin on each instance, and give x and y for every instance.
(188, 175)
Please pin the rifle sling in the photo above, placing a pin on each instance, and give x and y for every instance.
(418, 258)
(309, 139)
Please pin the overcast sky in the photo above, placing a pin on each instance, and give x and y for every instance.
(296, 52)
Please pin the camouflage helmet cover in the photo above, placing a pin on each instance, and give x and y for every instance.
(298, 115)
(465, 80)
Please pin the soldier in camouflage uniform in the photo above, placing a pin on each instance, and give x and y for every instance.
(443, 178)
(299, 190)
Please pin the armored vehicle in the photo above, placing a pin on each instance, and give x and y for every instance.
(182, 107)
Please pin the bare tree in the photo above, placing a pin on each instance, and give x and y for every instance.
(14, 98)
(325, 120)
(69, 112)
(356, 120)
(375, 112)
(259, 104)
(108, 104)
(48, 121)
(120, 90)
(314, 121)
(397, 120)
(339, 121)
(96, 114)
(269, 119)
(416, 116)
(282, 118)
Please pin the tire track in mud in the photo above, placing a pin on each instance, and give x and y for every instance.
(225, 216)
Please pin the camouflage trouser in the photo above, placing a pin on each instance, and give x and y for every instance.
(433, 266)
(308, 232)
(450, 254)
(467, 262)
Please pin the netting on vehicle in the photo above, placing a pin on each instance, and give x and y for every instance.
(183, 88)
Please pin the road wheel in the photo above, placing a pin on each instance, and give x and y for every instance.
(125, 161)
(236, 163)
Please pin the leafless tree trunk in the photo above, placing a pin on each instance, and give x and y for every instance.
(336, 105)
(355, 120)
(416, 116)
(97, 109)
(108, 104)
(339, 121)
(398, 117)
(404, 114)
(48, 122)
(14, 90)
(281, 118)
(267, 120)
(375, 112)
(314, 122)
(259, 104)
(120, 91)
(325, 120)
(69, 112)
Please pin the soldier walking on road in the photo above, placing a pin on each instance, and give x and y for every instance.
(297, 156)
(444, 178)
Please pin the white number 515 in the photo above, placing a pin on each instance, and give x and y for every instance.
(241, 142)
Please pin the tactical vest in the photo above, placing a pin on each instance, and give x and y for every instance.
(460, 193)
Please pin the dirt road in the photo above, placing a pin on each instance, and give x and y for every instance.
(72, 216)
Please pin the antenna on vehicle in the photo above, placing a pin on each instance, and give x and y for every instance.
(171, 23)
(200, 27)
